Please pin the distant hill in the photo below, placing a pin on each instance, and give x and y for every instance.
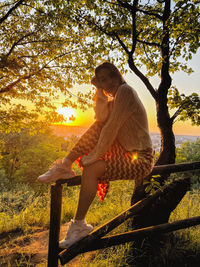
(67, 131)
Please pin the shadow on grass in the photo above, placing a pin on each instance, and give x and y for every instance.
(170, 250)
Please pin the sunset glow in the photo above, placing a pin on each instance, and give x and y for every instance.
(68, 113)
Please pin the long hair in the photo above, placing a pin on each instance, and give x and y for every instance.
(114, 72)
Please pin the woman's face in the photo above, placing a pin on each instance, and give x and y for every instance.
(105, 80)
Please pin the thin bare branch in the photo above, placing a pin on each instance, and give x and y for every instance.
(176, 114)
(122, 44)
(148, 56)
(149, 43)
(123, 4)
(17, 42)
(150, 13)
(142, 77)
(11, 10)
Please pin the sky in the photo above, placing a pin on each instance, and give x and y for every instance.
(186, 84)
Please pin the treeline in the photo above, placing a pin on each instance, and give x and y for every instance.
(24, 155)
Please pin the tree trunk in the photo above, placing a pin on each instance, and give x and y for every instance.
(156, 214)
(165, 124)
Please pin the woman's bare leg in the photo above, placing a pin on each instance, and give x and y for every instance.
(89, 182)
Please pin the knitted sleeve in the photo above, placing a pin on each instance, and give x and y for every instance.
(101, 106)
(122, 109)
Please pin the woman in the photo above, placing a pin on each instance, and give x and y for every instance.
(117, 146)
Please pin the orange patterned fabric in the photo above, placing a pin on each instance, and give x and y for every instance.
(121, 164)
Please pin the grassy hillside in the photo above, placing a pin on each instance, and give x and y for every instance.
(24, 208)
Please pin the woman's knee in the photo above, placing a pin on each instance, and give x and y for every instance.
(96, 169)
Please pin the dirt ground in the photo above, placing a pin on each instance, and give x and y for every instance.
(17, 249)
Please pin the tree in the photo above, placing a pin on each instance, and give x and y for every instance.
(158, 37)
(150, 34)
(40, 57)
(27, 154)
(41, 53)
(49, 45)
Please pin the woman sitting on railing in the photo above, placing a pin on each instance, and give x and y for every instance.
(116, 147)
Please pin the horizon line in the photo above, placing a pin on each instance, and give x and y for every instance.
(151, 132)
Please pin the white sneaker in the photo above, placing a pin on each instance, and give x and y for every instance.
(58, 171)
(76, 231)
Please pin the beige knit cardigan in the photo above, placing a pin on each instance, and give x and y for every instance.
(127, 122)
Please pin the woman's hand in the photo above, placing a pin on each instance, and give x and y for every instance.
(89, 159)
(95, 82)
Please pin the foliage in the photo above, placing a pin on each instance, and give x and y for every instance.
(41, 44)
(41, 51)
(154, 38)
(24, 208)
(160, 35)
(39, 57)
(189, 151)
(187, 106)
(27, 154)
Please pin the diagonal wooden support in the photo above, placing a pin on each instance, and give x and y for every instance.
(130, 236)
(56, 197)
(88, 241)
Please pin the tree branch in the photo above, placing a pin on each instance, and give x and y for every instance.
(93, 24)
(142, 77)
(148, 43)
(11, 85)
(11, 10)
(17, 42)
(115, 4)
(176, 114)
(123, 4)
(165, 77)
(38, 10)
(122, 44)
(148, 56)
(150, 13)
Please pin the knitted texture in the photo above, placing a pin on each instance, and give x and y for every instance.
(127, 123)
(101, 106)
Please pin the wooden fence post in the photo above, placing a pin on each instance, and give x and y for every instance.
(55, 216)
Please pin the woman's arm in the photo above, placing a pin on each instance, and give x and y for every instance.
(122, 109)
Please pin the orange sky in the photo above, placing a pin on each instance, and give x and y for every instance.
(86, 118)
(186, 85)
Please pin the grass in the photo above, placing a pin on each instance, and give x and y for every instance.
(23, 209)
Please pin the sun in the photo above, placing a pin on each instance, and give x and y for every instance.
(68, 113)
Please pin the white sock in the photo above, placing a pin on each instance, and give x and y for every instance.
(80, 221)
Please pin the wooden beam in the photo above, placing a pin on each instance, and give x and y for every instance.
(55, 215)
(181, 167)
(75, 249)
(114, 240)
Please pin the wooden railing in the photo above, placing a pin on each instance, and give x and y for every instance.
(89, 242)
